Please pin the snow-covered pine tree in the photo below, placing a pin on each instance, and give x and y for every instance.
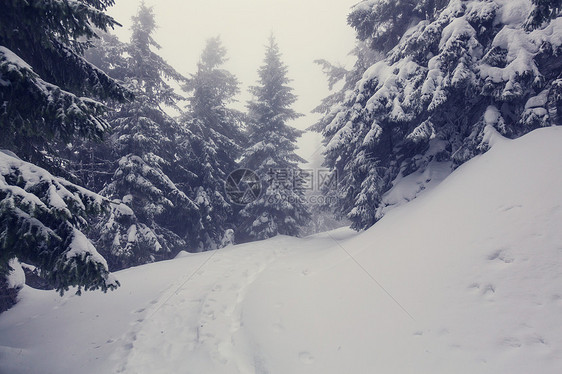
(147, 153)
(330, 105)
(46, 90)
(329, 108)
(383, 22)
(281, 208)
(215, 141)
(543, 11)
(451, 77)
(47, 86)
(43, 223)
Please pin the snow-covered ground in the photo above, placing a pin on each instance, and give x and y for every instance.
(464, 279)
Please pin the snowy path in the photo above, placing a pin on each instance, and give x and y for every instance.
(196, 322)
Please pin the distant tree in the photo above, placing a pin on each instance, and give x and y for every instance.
(271, 154)
(215, 140)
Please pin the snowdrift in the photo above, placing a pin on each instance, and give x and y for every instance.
(464, 279)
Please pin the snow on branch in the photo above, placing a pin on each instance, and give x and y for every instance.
(42, 220)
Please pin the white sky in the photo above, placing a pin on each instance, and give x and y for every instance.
(305, 30)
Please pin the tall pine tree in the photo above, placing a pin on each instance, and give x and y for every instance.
(147, 153)
(215, 141)
(47, 90)
(281, 208)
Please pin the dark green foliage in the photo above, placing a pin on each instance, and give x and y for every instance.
(365, 58)
(281, 209)
(8, 295)
(47, 82)
(146, 70)
(41, 221)
(46, 90)
(543, 11)
(143, 165)
(383, 22)
(215, 139)
(450, 80)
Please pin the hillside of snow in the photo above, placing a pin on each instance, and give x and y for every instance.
(464, 279)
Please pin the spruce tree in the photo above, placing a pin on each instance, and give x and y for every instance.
(383, 22)
(48, 86)
(215, 138)
(448, 80)
(47, 91)
(43, 222)
(543, 11)
(281, 208)
(147, 152)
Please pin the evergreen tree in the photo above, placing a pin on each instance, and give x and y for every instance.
(447, 81)
(271, 155)
(147, 154)
(365, 57)
(329, 108)
(383, 22)
(543, 11)
(215, 138)
(47, 85)
(43, 222)
(46, 90)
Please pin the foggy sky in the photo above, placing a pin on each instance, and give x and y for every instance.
(305, 30)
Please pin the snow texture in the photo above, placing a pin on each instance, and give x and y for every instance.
(81, 247)
(16, 277)
(464, 279)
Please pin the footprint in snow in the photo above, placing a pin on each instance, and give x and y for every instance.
(489, 290)
(306, 358)
(501, 255)
(511, 342)
(507, 209)
(217, 287)
(557, 299)
(277, 325)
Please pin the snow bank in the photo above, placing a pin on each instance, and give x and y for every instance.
(463, 279)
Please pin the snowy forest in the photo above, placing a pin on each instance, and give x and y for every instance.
(110, 158)
(97, 177)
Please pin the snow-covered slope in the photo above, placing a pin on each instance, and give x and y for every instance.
(464, 279)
